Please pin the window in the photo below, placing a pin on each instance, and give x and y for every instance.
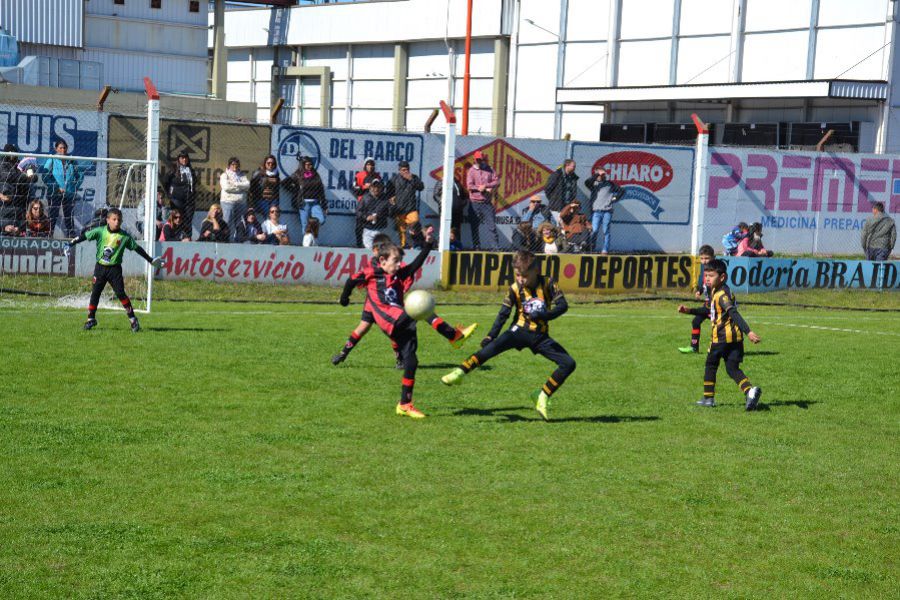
(118, 1)
(194, 6)
(155, 3)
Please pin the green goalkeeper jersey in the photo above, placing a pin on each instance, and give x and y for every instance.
(111, 245)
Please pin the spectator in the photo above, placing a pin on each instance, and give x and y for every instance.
(752, 244)
(235, 185)
(311, 237)
(308, 193)
(879, 234)
(159, 217)
(172, 230)
(374, 210)
(276, 231)
(62, 178)
(361, 184)
(536, 213)
(265, 186)
(37, 223)
(98, 220)
(481, 182)
(576, 227)
(10, 221)
(549, 241)
(455, 246)
(403, 193)
(9, 216)
(249, 230)
(603, 194)
(181, 184)
(416, 236)
(15, 181)
(214, 227)
(460, 202)
(731, 239)
(524, 237)
(561, 188)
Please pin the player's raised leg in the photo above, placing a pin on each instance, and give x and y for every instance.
(457, 336)
(490, 348)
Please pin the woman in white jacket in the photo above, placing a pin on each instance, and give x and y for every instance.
(234, 185)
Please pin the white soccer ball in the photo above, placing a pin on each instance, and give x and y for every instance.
(419, 304)
(533, 305)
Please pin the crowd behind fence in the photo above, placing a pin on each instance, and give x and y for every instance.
(257, 184)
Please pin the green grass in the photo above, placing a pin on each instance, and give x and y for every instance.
(219, 454)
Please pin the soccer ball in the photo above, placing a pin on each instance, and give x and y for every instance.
(533, 305)
(419, 304)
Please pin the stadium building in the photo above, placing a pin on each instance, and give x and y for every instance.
(766, 73)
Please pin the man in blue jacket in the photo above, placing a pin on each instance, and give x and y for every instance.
(62, 178)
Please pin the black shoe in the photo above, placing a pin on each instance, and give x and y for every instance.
(90, 324)
(753, 397)
(338, 358)
(135, 326)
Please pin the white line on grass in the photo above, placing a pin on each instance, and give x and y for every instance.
(839, 329)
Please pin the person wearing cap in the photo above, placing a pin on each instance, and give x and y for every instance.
(249, 230)
(373, 209)
(361, 183)
(481, 181)
(536, 213)
(181, 185)
(403, 197)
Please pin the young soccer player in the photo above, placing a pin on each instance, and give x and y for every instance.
(728, 331)
(537, 300)
(112, 242)
(366, 320)
(700, 313)
(386, 285)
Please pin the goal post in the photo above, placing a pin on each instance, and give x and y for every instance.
(152, 179)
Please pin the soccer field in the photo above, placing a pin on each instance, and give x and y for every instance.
(218, 453)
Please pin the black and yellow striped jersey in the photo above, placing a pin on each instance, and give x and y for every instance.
(727, 324)
(523, 298)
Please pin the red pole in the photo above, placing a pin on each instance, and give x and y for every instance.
(466, 78)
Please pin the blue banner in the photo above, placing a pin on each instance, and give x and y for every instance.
(770, 274)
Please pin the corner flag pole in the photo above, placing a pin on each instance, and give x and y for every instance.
(447, 190)
(701, 161)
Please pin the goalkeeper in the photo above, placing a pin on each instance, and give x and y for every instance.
(537, 300)
(112, 242)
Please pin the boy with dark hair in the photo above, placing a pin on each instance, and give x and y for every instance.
(727, 338)
(366, 320)
(731, 239)
(386, 285)
(112, 242)
(701, 292)
(537, 300)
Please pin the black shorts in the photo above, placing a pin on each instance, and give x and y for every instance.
(367, 317)
(517, 338)
(109, 274)
(732, 352)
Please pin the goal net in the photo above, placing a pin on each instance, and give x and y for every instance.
(47, 199)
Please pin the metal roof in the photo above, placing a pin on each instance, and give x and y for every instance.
(51, 22)
(838, 88)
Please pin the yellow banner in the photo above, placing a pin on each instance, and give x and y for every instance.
(209, 145)
(574, 272)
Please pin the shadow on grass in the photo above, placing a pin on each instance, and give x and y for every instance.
(507, 414)
(451, 366)
(191, 329)
(762, 353)
(804, 404)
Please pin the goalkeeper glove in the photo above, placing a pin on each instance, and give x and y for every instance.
(344, 301)
(157, 261)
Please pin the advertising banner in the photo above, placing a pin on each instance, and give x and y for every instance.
(37, 130)
(807, 202)
(35, 256)
(655, 212)
(575, 272)
(338, 154)
(770, 274)
(271, 264)
(522, 166)
(208, 144)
